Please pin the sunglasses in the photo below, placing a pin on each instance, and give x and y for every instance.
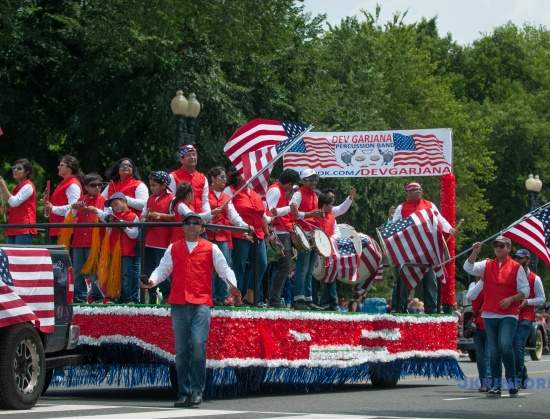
(192, 223)
(94, 185)
(414, 190)
(125, 165)
(17, 168)
(499, 246)
(222, 177)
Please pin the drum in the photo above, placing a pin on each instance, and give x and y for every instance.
(371, 257)
(319, 268)
(299, 239)
(322, 243)
(348, 231)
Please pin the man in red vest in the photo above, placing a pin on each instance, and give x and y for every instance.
(191, 262)
(278, 204)
(504, 286)
(414, 203)
(527, 307)
(188, 173)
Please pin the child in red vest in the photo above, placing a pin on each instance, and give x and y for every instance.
(86, 241)
(21, 203)
(122, 280)
(157, 239)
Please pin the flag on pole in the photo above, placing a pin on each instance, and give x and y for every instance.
(26, 287)
(416, 244)
(372, 258)
(533, 233)
(257, 143)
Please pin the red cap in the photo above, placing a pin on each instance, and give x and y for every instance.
(412, 186)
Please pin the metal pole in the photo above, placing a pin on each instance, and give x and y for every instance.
(180, 131)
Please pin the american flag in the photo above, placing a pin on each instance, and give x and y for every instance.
(417, 239)
(257, 143)
(343, 261)
(372, 258)
(312, 153)
(418, 150)
(534, 234)
(26, 287)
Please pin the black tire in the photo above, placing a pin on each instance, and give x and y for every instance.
(472, 355)
(536, 353)
(47, 380)
(384, 379)
(22, 367)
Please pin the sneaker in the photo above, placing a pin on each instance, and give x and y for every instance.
(494, 392)
(300, 305)
(513, 392)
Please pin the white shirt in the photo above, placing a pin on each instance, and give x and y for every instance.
(72, 193)
(272, 199)
(540, 298)
(166, 265)
(478, 269)
(445, 224)
(204, 193)
(297, 199)
(137, 203)
(338, 211)
(21, 196)
(234, 217)
(183, 210)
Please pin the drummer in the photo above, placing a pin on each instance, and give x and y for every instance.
(279, 207)
(329, 297)
(304, 207)
(413, 203)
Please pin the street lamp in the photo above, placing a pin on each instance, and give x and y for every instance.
(533, 186)
(186, 112)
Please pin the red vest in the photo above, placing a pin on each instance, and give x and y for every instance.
(528, 312)
(327, 224)
(283, 223)
(24, 213)
(191, 273)
(250, 207)
(197, 181)
(59, 198)
(128, 245)
(309, 203)
(499, 283)
(82, 237)
(221, 218)
(159, 237)
(127, 187)
(408, 207)
(476, 309)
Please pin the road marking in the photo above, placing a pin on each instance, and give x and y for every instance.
(44, 408)
(484, 397)
(172, 413)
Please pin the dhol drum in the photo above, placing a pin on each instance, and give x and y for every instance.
(299, 239)
(319, 267)
(322, 243)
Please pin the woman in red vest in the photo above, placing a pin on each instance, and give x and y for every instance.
(67, 193)
(21, 203)
(504, 285)
(123, 177)
(191, 263)
(157, 239)
(229, 216)
(527, 308)
(84, 239)
(250, 207)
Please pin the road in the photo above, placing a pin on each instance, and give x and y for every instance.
(412, 398)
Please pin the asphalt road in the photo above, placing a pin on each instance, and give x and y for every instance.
(412, 398)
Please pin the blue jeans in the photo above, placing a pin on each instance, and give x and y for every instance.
(329, 295)
(302, 280)
(219, 287)
(482, 358)
(80, 255)
(500, 339)
(520, 340)
(243, 252)
(130, 281)
(151, 260)
(20, 239)
(191, 324)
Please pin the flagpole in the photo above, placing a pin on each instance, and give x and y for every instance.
(529, 214)
(268, 165)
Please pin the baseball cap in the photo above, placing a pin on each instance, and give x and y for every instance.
(502, 239)
(116, 195)
(307, 173)
(190, 215)
(412, 186)
(522, 253)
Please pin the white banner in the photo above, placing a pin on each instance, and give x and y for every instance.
(421, 152)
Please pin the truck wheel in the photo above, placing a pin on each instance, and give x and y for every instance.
(536, 354)
(472, 355)
(47, 380)
(381, 378)
(22, 367)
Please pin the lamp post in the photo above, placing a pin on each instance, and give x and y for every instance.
(533, 184)
(186, 112)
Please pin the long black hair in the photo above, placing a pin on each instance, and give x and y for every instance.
(112, 172)
(182, 191)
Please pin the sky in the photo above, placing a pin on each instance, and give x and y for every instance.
(466, 20)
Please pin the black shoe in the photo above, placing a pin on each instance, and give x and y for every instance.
(195, 400)
(483, 389)
(312, 306)
(494, 392)
(513, 392)
(300, 305)
(275, 305)
(183, 402)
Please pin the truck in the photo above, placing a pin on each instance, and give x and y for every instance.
(28, 356)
